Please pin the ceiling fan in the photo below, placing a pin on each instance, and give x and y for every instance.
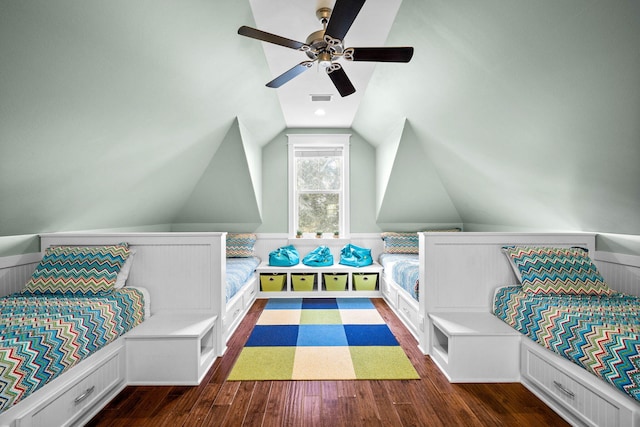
(326, 46)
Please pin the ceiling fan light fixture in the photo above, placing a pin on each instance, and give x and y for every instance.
(324, 59)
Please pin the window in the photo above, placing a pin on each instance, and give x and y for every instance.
(319, 184)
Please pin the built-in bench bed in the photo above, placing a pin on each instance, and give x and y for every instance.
(470, 344)
(192, 316)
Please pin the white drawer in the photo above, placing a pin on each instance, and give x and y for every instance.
(586, 403)
(69, 405)
(391, 293)
(249, 295)
(233, 311)
(408, 310)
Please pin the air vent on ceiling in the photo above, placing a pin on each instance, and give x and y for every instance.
(320, 98)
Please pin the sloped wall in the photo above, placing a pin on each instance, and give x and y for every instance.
(528, 110)
(414, 196)
(385, 159)
(110, 112)
(224, 199)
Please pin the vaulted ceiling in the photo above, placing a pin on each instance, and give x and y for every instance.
(525, 114)
(296, 20)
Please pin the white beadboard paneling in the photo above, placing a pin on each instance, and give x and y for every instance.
(185, 268)
(620, 271)
(183, 272)
(461, 271)
(15, 272)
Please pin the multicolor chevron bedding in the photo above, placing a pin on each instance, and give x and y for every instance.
(600, 333)
(44, 335)
(239, 270)
(404, 269)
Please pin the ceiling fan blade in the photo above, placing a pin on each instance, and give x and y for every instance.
(271, 38)
(340, 80)
(379, 54)
(290, 74)
(343, 14)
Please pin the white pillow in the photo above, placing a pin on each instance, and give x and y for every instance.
(123, 274)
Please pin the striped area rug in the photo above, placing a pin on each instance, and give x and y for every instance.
(321, 339)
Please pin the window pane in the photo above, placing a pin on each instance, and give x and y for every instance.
(318, 173)
(318, 212)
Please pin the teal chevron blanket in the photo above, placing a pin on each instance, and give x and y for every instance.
(597, 332)
(44, 335)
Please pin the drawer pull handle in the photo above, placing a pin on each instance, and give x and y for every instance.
(564, 390)
(84, 395)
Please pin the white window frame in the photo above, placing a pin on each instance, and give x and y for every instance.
(297, 141)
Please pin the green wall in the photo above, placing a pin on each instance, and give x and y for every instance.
(111, 111)
(514, 115)
(225, 197)
(414, 197)
(528, 110)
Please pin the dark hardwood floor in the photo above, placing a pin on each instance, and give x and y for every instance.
(430, 401)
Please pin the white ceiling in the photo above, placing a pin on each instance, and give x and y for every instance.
(296, 19)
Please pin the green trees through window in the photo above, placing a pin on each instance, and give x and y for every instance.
(317, 184)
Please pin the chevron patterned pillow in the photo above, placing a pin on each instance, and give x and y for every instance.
(405, 243)
(85, 270)
(240, 245)
(552, 271)
(400, 243)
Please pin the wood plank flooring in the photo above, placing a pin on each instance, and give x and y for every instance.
(430, 401)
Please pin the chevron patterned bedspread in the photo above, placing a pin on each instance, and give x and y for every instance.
(239, 271)
(405, 270)
(44, 335)
(599, 333)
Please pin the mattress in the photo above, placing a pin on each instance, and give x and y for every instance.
(403, 269)
(44, 335)
(239, 271)
(599, 333)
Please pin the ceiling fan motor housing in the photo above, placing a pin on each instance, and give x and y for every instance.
(317, 43)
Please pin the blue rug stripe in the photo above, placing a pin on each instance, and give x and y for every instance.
(273, 336)
(355, 303)
(369, 335)
(284, 304)
(319, 303)
(322, 336)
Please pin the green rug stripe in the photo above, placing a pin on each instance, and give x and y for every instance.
(320, 317)
(382, 363)
(263, 363)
